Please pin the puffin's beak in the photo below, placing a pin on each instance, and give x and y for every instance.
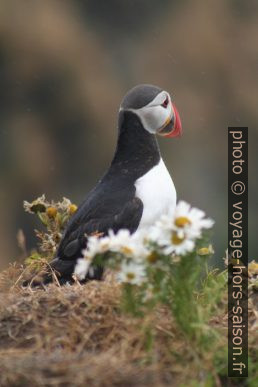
(173, 126)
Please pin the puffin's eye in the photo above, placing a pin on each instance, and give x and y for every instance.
(165, 103)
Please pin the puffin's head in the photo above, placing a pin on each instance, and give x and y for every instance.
(154, 108)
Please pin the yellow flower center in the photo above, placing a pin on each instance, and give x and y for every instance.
(182, 221)
(152, 257)
(253, 268)
(72, 209)
(176, 240)
(130, 276)
(51, 212)
(204, 251)
(126, 250)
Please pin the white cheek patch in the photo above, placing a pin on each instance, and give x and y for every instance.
(153, 116)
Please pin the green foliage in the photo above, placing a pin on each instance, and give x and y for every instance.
(192, 301)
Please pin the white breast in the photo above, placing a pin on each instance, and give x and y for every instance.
(157, 192)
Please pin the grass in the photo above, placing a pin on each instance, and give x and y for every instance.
(79, 335)
(108, 334)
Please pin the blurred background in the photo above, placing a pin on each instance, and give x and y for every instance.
(64, 67)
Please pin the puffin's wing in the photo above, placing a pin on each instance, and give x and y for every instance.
(75, 238)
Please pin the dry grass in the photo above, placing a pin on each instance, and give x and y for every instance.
(77, 336)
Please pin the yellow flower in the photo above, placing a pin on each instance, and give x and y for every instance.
(126, 250)
(176, 240)
(51, 212)
(182, 221)
(72, 209)
(152, 257)
(253, 268)
(205, 250)
(130, 276)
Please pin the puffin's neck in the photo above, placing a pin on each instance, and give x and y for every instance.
(136, 149)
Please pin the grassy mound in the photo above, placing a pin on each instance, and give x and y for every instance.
(78, 335)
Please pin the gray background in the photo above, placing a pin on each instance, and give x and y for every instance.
(64, 67)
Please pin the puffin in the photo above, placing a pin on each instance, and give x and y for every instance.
(136, 189)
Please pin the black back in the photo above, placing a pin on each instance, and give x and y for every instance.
(112, 203)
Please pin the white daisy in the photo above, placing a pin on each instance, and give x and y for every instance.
(157, 231)
(96, 245)
(81, 268)
(122, 242)
(171, 242)
(190, 220)
(187, 222)
(166, 236)
(131, 272)
(121, 238)
(131, 245)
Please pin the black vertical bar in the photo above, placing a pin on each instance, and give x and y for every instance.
(237, 252)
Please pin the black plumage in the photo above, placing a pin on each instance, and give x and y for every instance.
(112, 204)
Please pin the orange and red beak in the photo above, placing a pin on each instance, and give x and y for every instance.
(173, 126)
(177, 127)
